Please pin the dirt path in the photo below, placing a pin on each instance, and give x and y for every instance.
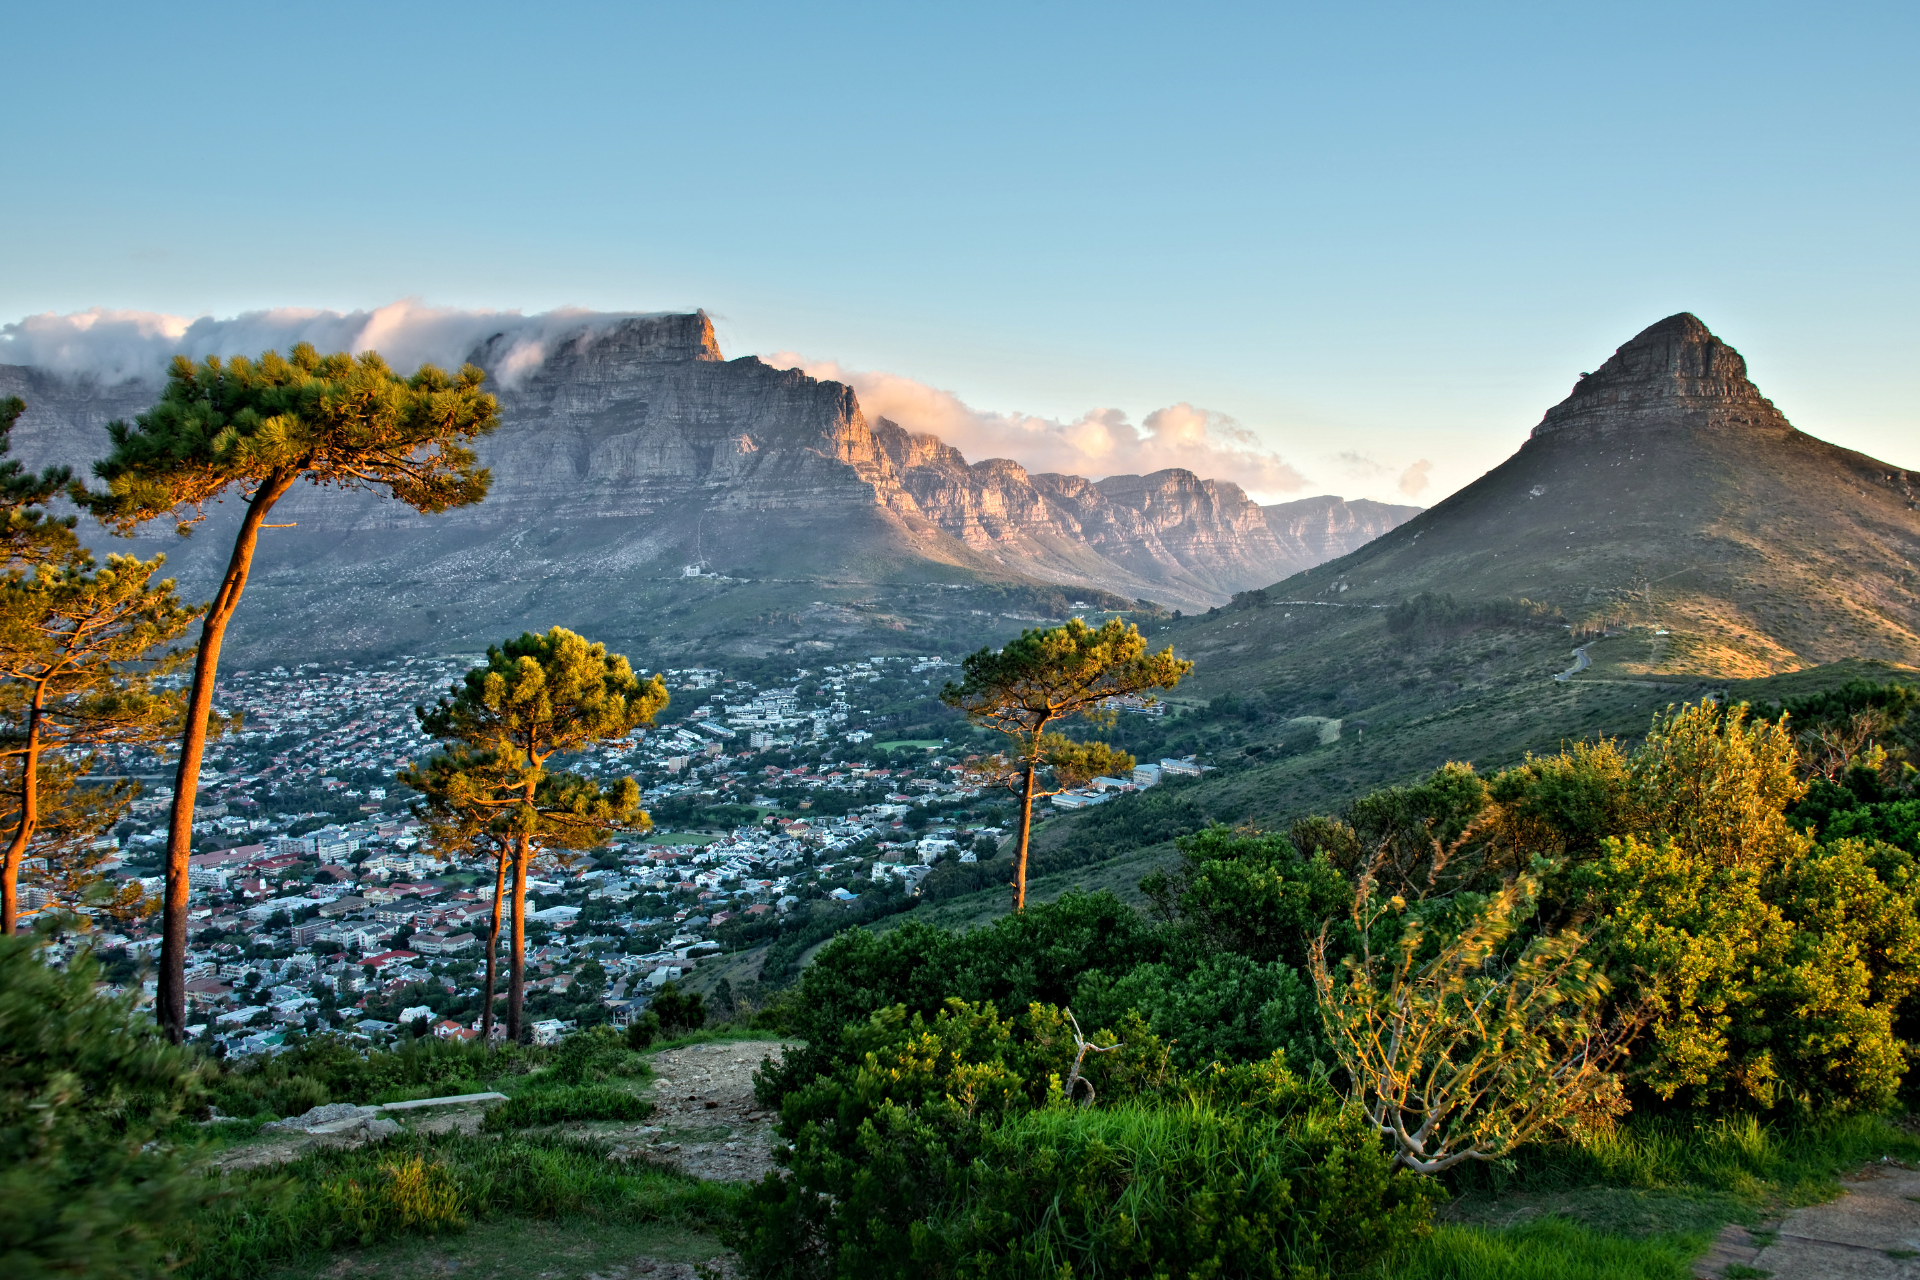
(706, 1121)
(1872, 1232)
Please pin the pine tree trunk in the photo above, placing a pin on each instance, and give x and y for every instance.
(517, 963)
(1026, 831)
(29, 819)
(493, 942)
(170, 1004)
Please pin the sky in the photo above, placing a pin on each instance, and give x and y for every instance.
(1356, 249)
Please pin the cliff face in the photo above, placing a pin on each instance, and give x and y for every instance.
(1673, 375)
(1313, 530)
(638, 453)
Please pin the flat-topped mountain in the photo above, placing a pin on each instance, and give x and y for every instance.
(636, 453)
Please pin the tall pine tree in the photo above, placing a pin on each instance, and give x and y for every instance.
(536, 697)
(257, 428)
(80, 648)
(1045, 678)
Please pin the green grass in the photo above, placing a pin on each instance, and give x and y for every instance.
(1744, 1162)
(1630, 1203)
(716, 1035)
(1549, 1249)
(928, 744)
(424, 1185)
(567, 1102)
(513, 1249)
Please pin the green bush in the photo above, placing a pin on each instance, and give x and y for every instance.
(328, 1068)
(86, 1088)
(678, 1011)
(1038, 956)
(567, 1102)
(592, 1056)
(878, 1145)
(950, 1145)
(1184, 1189)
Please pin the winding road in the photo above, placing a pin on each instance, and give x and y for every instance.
(1580, 663)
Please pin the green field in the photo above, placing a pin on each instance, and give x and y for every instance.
(929, 744)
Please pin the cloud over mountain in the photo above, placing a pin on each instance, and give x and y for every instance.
(1099, 443)
(115, 346)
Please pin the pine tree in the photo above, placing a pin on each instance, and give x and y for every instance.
(28, 535)
(1044, 677)
(80, 648)
(465, 820)
(536, 697)
(258, 428)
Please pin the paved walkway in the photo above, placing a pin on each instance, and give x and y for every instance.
(1872, 1232)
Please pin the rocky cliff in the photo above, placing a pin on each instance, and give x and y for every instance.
(1312, 530)
(639, 453)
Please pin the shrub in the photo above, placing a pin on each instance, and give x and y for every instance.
(678, 1011)
(86, 1086)
(879, 1144)
(1181, 1189)
(592, 1056)
(567, 1102)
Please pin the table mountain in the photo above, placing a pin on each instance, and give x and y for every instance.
(637, 455)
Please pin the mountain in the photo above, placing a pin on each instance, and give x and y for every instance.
(1667, 491)
(647, 488)
(1663, 534)
(1313, 530)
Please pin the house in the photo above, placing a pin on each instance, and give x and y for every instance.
(550, 1031)
(439, 943)
(389, 958)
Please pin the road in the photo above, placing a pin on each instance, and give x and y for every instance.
(1580, 663)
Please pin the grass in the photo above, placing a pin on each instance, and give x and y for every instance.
(1550, 1249)
(567, 1102)
(512, 1249)
(428, 1185)
(718, 1035)
(1642, 1201)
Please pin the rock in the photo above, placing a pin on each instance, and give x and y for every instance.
(330, 1114)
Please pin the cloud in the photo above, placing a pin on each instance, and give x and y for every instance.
(1414, 478)
(1099, 443)
(115, 346)
(1358, 466)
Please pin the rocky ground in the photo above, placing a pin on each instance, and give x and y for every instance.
(706, 1121)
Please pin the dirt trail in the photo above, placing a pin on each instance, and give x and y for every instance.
(1872, 1232)
(706, 1121)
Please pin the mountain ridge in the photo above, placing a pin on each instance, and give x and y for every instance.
(638, 453)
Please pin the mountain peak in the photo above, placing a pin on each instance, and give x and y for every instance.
(1673, 374)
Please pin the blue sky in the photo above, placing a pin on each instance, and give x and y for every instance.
(1392, 232)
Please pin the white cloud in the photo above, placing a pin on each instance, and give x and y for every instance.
(117, 345)
(1358, 466)
(1099, 443)
(1414, 478)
